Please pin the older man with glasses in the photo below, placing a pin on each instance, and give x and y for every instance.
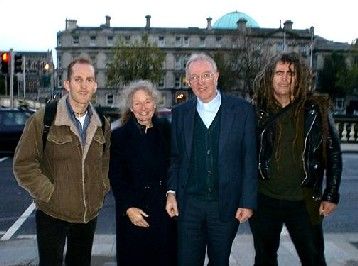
(213, 178)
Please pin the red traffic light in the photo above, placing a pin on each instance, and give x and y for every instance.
(5, 61)
(5, 57)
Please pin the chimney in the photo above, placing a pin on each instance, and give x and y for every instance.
(208, 25)
(147, 24)
(71, 24)
(108, 21)
(287, 25)
(241, 24)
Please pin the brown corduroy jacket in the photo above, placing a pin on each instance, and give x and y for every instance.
(67, 180)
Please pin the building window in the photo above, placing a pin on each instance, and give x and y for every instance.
(161, 83)
(177, 82)
(234, 42)
(59, 62)
(92, 40)
(127, 39)
(60, 80)
(339, 106)
(92, 57)
(59, 42)
(161, 41)
(185, 60)
(183, 81)
(218, 41)
(178, 62)
(110, 99)
(110, 40)
(178, 41)
(76, 40)
(186, 41)
(202, 41)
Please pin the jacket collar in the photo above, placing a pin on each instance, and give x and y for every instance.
(63, 118)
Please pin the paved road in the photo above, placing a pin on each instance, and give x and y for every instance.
(18, 247)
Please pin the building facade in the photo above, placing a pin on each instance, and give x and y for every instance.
(234, 31)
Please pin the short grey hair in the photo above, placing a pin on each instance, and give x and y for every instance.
(199, 57)
(128, 92)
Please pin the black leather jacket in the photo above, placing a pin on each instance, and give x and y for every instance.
(312, 154)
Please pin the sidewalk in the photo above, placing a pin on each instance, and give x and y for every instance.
(349, 147)
(341, 250)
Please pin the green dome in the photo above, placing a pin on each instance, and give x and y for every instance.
(229, 21)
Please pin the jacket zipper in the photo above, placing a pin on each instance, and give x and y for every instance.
(261, 140)
(304, 150)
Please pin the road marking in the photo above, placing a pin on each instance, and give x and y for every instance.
(12, 230)
(3, 159)
(284, 231)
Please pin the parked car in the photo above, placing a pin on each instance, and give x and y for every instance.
(12, 123)
(165, 113)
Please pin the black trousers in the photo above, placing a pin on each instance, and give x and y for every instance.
(201, 230)
(51, 237)
(266, 225)
(319, 243)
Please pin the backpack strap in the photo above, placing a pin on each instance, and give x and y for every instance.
(49, 116)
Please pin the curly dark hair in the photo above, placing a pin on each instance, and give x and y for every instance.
(266, 103)
(263, 86)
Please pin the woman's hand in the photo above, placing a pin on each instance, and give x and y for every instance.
(136, 216)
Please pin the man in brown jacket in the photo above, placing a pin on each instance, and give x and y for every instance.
(68, 178)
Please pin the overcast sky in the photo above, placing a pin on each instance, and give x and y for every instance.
(33, 25)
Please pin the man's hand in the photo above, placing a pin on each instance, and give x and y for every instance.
(243, 214)
(171, 206)
(327, 208)
(136, 216)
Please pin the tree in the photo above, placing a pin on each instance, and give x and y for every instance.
(140, 60)
(227, 78)
(332, 77)
(239, 66)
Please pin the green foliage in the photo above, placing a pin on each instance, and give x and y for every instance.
(331, 77)
(349, 80)
(239, 66)
(227, 78)
(139, 60)
(336, 77)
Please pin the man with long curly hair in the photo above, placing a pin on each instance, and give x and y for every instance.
(297, 145)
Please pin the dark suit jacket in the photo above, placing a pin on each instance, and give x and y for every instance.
(237, 166)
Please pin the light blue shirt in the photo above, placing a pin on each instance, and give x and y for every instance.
(207, 111)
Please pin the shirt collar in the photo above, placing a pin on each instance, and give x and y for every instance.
(72, 113)
(211, 106)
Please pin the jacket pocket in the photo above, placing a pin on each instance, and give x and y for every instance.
(59, 139)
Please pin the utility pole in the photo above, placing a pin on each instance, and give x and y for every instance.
(311, 47)
(23, 74)
(11, 78)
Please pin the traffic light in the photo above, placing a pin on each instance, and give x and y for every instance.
(18, 63)
(5, 61)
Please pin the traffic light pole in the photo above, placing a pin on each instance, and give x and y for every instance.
(23, 74)
(11, 78)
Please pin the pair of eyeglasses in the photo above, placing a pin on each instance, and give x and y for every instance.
(203, 77)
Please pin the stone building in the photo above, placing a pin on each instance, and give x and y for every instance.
(228, 33)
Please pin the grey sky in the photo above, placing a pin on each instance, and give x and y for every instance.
(33, 25)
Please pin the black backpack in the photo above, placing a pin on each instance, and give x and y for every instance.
(50, 113)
